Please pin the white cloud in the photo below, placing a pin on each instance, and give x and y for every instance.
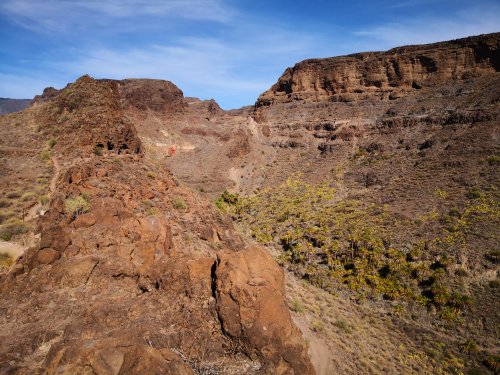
(473, 21)
(58, 15)
(204, 67)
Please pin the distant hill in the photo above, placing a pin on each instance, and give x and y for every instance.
(13, 105)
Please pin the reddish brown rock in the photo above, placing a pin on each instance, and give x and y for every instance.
(47, 256)
(153, 94)
(251, 306)
(113, 356)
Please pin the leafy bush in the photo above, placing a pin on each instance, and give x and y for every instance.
(98, 149)
(76, 206)
(43, 199)
(12, 227)
(151, 175)
(45, 155)
(5, 235)
(179, 204)
(297, 306)
(225, 199)
(343, 325)
(317, 326)
(52, 142)
(473, 193)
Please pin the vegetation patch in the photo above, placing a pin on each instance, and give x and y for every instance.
(179, 203)
(27, 196)
(12, 227)
(76, 206)
(335, 243)
(51, 142)
(5, 261)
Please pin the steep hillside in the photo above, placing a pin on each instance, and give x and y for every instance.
(128, 272)
(384, 186)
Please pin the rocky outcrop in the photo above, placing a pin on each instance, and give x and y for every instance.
(154, 94)
(87, 118)
(249, 290)
(385, 75)
(144, 279)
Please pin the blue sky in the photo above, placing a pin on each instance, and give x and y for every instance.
(227, 50)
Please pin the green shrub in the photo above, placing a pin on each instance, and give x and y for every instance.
(27, 196)
(469, 346)
(297, 306)
(98, 149)
(343, 325)
(6, 236)
(225, 199)
(76, 206)
(473, 193)
(317, 326)
(52, 142)
(152, 211)
(12, 227)
(493, 160)
(151, 175)
(45, 155)
(179, 204)
(43, 199)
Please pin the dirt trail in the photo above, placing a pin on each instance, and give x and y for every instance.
(318, 351)
(15, 250)
(33, 211)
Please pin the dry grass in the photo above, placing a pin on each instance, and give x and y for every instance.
(366, 336)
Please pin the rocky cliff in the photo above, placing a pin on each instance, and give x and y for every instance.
(385, 75)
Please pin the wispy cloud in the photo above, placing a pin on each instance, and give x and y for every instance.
(473, 21)
(201, 66)
(57, 15)
(209, 48)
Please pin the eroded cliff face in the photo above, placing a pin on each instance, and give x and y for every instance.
(142, 276)
(385, 75)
